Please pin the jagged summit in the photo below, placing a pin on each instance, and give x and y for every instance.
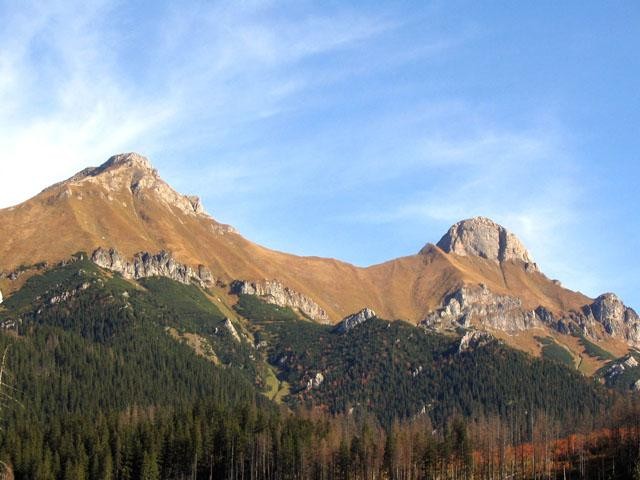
(131, 159)
(123, 164)
(482, 237)
(134, 174)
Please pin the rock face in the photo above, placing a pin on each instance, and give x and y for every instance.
(275, 293)
(196, 204)
(626, 364)
(64, 296)
(145, 265)
(315, 381)
(484, 238)
(617, 319)
(472, 340)
(134, 172)
(1, 299)
(352, 321)
(471, 306)
(478, 307)
(231, 329)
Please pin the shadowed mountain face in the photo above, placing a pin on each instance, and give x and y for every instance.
(478, 275)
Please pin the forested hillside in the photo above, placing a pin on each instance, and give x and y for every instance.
(426, 371)
(115, 379)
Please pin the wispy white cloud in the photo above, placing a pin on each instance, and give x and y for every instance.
(79, 82)
(200, 91)
(66, 108)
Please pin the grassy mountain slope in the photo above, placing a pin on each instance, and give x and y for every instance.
(129, 207)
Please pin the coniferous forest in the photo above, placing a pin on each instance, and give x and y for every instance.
(110, 379)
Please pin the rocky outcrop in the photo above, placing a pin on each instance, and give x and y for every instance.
(352, 321)
(620, 366)
(1, 299)
(231, 329)
(315, 381)
(474, 339)
(617, 319)
(484, 238)
(130, 160)
(196, 204)
(276, 293)
(144, 265)
(222, 229)
(477, 306)
(64, 296)
(205, 276)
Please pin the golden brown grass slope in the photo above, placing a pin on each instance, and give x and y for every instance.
(124, 204)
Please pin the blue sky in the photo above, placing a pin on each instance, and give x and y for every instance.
(356, 130)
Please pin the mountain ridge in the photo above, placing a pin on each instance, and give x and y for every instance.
(124, 205)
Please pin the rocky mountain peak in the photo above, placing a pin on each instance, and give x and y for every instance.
(482, 237)
(128, 160)
(124, 168)
(615, 316)
(132, 174)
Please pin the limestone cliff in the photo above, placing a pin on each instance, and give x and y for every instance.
(144, 265)
(276, 293)
(617, 319)
(478, 307)
(352, 321)
(484, 238)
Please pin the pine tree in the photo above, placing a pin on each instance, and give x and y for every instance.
(150, 469)
(390, 449)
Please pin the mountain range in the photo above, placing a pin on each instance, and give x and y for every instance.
(478, 275)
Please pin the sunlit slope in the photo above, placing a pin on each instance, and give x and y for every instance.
(126, 205)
